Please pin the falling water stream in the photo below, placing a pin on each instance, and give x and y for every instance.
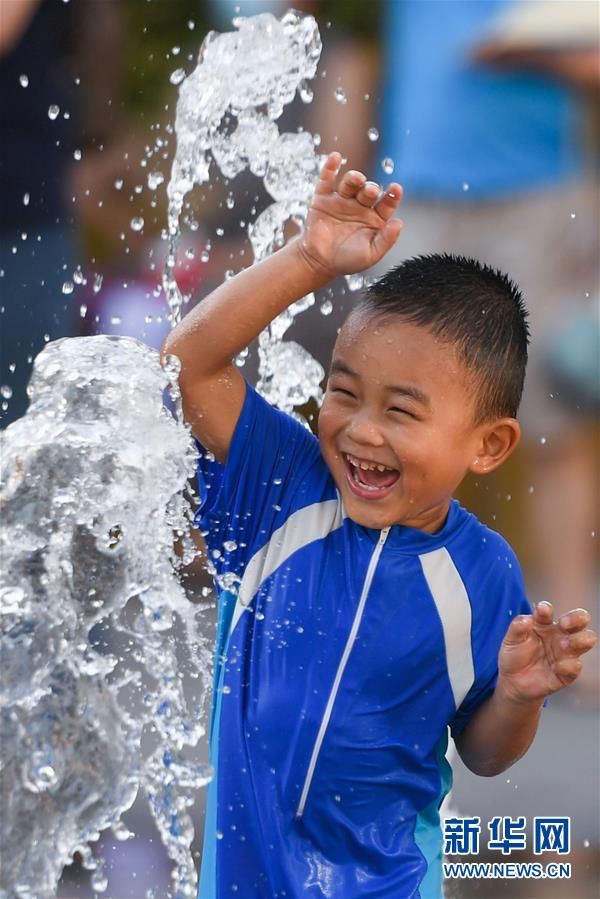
(94, 491)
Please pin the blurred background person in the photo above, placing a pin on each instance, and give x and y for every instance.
(37, 234)
(51, 112)
(494, 166)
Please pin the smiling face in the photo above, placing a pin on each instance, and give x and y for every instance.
(396, 427)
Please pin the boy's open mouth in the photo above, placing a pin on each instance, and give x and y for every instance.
(367, 479)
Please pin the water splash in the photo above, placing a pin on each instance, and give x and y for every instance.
(231, 122)
(93, 484)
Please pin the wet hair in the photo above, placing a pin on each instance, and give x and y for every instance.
(469, 304)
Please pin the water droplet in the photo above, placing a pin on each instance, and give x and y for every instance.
(53, 111)
(373, 134)
(6, 391)
(260, 616)
(340, 95)
(543, 440)
(136, 223)
(229, 274)
(155, 179)
(77, 155)
(230, 201)
(99, 881)
(177, 76)
(388, 165)
(83, 310)
(219, 834)
(586, 843)
(115, 319)
(466, 186)
(306, 92)
(25, 199)
(68, 287)
(97, 283)
(119, 184)
(38, 774)
(355, 282)
(229, 545)
(23, 80)
(573, 215)
(326, 308)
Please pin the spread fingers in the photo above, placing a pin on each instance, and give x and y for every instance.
(328, 174)
(389, 201)
(369, 193)
(351, 184)
(575, 620)
(577, 644)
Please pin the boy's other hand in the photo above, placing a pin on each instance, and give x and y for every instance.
(539, 656)
(349, 226)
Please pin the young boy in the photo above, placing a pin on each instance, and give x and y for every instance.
(362, 611)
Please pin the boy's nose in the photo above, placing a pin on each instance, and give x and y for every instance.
(362, 429)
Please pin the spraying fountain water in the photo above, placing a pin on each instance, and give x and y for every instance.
(94, 476)
(231, 122)
(93, 491)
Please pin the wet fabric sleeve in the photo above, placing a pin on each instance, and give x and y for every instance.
(270, 465)
(491, 620)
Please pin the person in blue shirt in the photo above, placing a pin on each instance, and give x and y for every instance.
(362, 611)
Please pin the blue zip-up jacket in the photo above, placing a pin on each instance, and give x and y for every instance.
(343, 656)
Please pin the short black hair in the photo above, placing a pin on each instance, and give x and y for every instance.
(472, 305)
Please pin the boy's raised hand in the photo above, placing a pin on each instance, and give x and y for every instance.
(539, 656)
(349, 226)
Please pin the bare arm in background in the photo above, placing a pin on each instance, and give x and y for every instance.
(579, 68)
(15, 16)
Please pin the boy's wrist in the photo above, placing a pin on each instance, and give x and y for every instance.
(314, 268)
(507, 692)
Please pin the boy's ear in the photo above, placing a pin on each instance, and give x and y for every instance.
(498, 439)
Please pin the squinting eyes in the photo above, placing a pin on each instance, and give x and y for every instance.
(403, 412)
(341, 390)
(396, 409)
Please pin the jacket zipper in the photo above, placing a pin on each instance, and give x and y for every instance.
(343, 662)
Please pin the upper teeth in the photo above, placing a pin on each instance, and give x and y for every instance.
(366, 466)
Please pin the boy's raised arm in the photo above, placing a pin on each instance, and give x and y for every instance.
(348, 229)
